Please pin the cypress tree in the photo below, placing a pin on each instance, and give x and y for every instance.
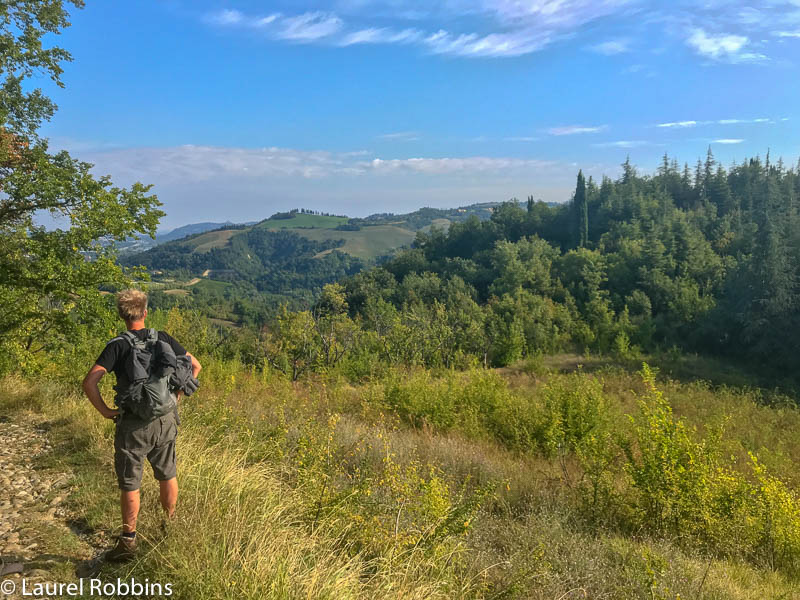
(581, 212)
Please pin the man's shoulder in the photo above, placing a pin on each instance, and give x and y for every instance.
(118, 339)
(165, 337)
(110, 356)
(176, 346)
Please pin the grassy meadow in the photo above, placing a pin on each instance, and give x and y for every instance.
(529, 482)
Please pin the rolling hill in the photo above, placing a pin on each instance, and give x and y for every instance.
(288, 256)
(366, 238)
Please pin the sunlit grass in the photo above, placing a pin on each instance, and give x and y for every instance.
(324, 489)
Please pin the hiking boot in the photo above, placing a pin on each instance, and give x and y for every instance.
(124, 550)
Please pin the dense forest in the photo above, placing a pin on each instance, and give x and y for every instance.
(705, 260)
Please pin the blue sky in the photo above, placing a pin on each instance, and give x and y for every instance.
(236, 109)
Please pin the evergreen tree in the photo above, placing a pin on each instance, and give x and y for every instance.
(581, 208)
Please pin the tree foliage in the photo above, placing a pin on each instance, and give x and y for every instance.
(50, 276)
(709, 262)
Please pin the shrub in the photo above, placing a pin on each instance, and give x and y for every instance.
(671, 473)
(683, 488)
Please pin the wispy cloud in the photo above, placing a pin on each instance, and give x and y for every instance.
(624, 144)
(728, 141)
(511, 28)
(576, 129)
(495, 44)
(612, 47)
(191, 163)
(264, 21)
(522, 138)
(723, 47)
(685, 124)
(225, 17)
(404, 136)
(741, 121)
(380, 35)
(716, 30)
(677, 124)
(441, 166)
(309, 27)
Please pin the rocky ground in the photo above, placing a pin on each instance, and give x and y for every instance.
(37, 532)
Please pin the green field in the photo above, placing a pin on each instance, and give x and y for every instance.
(212, 239)
(369, 242)
(211, 285)
(439, 224)
(303, 220)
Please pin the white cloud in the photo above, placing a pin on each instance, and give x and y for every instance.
(310, 26)
(741, 121)
(623, 144)
(443, 166)
(364, 36)
(404, 36)
(405, 136)
(191, 163)
(677, 124)
(611, 47)
(225, 17)
(576, 129)
(552, 13)
(522, 138)
(723, 47)
(507, 28)
(728, 141)
(510, 27)
(495, 44)
(264, 21)
(685, 124)
(716, 46)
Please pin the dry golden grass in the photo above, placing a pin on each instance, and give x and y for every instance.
(286, 491)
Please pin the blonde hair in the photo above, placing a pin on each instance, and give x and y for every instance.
(131, 304)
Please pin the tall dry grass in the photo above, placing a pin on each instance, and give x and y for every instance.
(323, 490)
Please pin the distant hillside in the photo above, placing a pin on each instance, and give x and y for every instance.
(290, 255)
(367, 238)
(301, 220)
(191, 229)
(144, 242)
(424, 218)
(275, 262)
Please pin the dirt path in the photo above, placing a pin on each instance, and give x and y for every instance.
(36, 529)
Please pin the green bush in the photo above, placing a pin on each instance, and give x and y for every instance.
(683, 488)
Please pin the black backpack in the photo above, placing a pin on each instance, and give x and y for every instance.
(151, 365)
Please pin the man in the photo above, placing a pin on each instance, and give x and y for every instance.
(135, 438)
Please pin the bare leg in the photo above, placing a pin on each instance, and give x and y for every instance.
(130, 510)
(168, 495)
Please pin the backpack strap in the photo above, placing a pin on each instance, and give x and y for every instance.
(129, 337)
(152, 336)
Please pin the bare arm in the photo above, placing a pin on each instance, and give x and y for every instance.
(92, 391)
(196, 366)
